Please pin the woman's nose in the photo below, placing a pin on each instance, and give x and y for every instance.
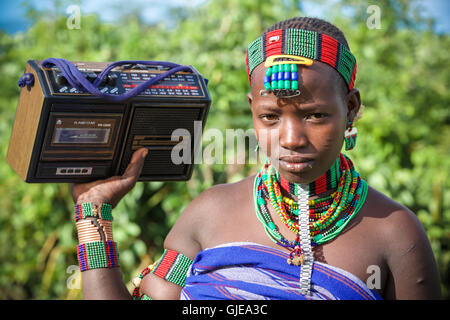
(292, 135)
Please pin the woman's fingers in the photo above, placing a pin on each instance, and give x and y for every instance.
(113, 188)
(136, 164)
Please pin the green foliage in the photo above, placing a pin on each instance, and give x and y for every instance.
(402, 149)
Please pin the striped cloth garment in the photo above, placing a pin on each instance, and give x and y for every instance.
(250, 271)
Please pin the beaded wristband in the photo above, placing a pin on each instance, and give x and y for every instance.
(97, 248)
(98, 254)
(87, 209)
(137, 283)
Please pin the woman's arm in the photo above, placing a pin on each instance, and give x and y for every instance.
(107, 283)
(104, 284)
(413, 270)
(183, 238)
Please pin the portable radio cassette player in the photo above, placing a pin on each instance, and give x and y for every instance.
(82, 121)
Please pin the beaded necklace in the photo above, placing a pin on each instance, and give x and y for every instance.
(326, 182)
(314, 222)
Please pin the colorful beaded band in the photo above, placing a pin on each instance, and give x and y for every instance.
(137, 295)
(87, 209)
(301, 43)
(347, 201)
(328, 181)
(98, 254)
(173, 266)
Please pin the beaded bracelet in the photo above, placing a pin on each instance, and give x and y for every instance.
(137, 283)
(96, 247)
(88, 209)
(98, 254)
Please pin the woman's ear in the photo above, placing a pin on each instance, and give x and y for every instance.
(250, 100)
(353, 101)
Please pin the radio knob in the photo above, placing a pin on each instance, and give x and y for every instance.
(112, 79)
(104, 81)
(91, 76)
(61, 80)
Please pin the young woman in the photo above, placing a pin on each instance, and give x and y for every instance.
(306, 226)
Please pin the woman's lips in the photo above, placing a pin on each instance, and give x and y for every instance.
(296, 164)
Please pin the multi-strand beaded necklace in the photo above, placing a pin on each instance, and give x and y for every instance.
(314, 222)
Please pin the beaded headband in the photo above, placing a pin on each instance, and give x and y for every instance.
(283, 49)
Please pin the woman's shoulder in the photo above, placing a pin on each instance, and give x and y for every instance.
(393, 223)
(386, 210)
(212, 207)
(405, 246)
(226, 191)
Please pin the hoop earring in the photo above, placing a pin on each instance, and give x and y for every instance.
(350, 137)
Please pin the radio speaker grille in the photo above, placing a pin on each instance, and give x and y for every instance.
(152, 128)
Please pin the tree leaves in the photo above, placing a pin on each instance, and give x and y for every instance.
(403, 137)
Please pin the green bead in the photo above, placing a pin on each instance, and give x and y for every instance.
(274, 85)
(293, 67)
(269, 72)
(275, 69)
(286, 67)
(281, 84)
(272, 226)
(287, 84)
(318, 237)
(267, 86)
(294, 85)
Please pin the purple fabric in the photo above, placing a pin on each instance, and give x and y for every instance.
(78, 81)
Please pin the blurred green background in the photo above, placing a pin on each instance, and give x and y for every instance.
(403, 141)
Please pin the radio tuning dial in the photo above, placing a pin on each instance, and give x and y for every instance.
(61, 80)
(112, 79)
(104, 82)
(91, 76)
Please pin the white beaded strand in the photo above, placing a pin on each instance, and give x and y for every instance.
(305, 238)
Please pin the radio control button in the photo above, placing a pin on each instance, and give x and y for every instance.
(112, 79)
(61, 80)
(91, 76)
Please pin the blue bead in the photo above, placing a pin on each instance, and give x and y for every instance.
(294, 76)
(274, 77)
(266, 79)
(287, 75)
(280, 76)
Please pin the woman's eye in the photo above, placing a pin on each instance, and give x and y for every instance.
(317, 115)
(269, 117)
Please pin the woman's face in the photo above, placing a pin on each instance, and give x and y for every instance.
(307, 129)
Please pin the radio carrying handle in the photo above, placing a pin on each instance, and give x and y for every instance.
(77, 80)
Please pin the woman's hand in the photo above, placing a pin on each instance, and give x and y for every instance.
(113, 189)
